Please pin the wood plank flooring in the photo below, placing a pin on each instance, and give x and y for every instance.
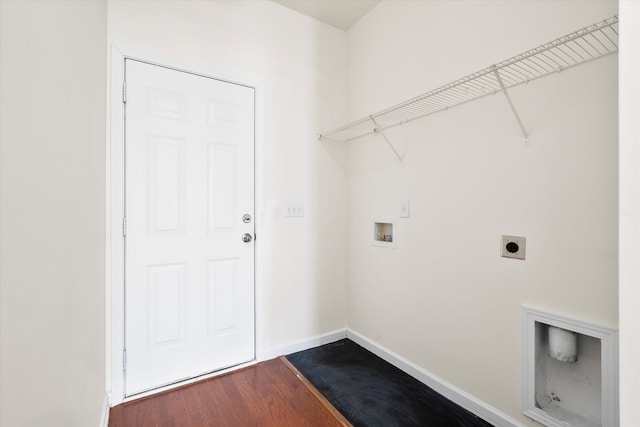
(271, 393)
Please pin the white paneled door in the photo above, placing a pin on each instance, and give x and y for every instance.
(189, 212)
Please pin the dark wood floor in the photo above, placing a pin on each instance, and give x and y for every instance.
(271, 393)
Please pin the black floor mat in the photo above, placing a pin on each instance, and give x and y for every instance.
(371, 392)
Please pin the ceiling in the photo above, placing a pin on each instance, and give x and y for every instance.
(338, 13)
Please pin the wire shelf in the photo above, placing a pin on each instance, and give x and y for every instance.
(586, 44)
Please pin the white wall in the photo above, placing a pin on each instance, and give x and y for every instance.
(52, 77)
(444, 299)
(629, 213)
(299, 67)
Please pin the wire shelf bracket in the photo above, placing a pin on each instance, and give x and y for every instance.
(513, 108)
(379, 130)
(581, 46)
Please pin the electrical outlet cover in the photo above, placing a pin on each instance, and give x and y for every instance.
(513, 247)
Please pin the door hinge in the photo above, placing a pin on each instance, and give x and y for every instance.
(124, 226)
(124, 360)
(124, 92)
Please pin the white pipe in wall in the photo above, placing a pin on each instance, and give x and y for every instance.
(563, 345)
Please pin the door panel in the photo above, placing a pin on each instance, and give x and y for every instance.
(223, 170)
(189, 281)
(165, 305)
(166, 183)
(223, 284)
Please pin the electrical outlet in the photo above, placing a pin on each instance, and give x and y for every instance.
(513, 247)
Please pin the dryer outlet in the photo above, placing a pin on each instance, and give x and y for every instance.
(513, 247)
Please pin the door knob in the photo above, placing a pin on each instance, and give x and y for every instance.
(246, 237)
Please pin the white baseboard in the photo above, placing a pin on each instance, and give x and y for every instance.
(306, 344)
(104, 417)
(451, 392)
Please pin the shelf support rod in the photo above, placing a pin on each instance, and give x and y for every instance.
(379, 130)
(513, 108)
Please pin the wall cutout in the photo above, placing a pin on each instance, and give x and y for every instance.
(570, 371)
(384, 232)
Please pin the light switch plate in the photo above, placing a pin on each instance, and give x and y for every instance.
(513, 247)
(404, 209)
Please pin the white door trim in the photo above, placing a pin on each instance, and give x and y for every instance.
(114, 267)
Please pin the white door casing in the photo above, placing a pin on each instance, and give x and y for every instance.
(189, 276)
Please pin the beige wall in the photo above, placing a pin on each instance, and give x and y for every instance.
(53, 74)
(299, 67)
(444, 298)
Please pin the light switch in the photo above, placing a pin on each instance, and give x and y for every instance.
(404, 209)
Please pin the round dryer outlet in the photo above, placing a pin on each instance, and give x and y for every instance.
(512, 247)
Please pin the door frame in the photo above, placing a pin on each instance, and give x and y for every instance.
(115, 250)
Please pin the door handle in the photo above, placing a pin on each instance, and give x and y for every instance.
(246, 237)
